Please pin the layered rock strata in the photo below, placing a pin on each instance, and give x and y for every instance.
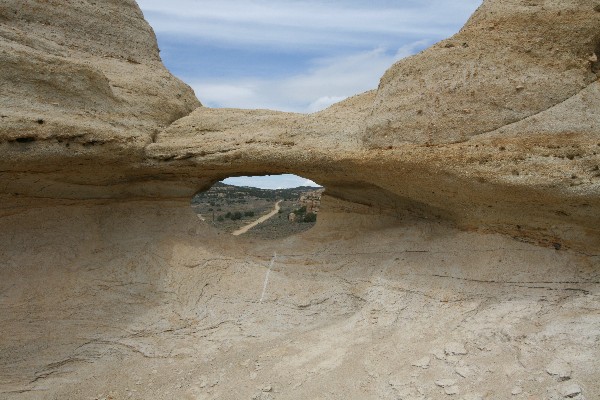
(493, 128)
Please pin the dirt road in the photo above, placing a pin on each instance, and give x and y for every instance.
(262, 219)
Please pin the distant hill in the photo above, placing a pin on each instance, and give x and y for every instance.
(230, 192)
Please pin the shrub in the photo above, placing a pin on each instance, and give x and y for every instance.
(310, 217)
(236, 215)
(301, 210)
(249, 213)
(220, 219)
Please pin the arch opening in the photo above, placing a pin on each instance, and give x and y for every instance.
(267, 207)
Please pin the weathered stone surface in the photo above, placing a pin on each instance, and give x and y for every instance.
(422, 363)
(445, 382)
(110, 286)
(454, 349)
(81, 86)
(512, 60)
(570, 390)
(559, 369)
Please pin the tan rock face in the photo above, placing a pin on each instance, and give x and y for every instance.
(491, 128)
(110, 287)
(81, 85)
(512, 60)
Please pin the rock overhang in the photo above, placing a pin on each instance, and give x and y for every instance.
(511, 143)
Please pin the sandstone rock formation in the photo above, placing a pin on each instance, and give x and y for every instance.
(457, 248)
(82, 86)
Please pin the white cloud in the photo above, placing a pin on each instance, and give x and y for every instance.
(270, 181)
(359, 36)
(329, 80)
(293, 24)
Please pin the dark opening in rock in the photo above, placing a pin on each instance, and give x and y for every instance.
(25, 139)
(594, 61)
(237, 208)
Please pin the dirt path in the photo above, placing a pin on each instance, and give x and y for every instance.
(262, 219)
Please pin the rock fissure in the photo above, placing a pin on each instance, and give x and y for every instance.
(532, 116)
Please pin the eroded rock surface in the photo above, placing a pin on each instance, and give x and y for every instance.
(83, 92)
(412, 285)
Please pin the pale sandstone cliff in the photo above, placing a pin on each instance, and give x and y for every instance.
(412, 285)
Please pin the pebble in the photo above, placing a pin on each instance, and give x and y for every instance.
(438, 353)
(516, 390)
(396, 381)
(473, 397)
(570, 390)
(267, 388)
(455, 348)
(445, 382)
(422, 362)
(451, 390)
(560, 369)
(463, 371)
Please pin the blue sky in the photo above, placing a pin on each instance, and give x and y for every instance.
(294, 55)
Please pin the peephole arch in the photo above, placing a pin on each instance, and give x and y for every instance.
(281, 206)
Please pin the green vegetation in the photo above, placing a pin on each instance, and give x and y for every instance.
(234, 216)
(231, 207)
(310, 217)
(300, 211)
(221, 193)
(303, 216)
